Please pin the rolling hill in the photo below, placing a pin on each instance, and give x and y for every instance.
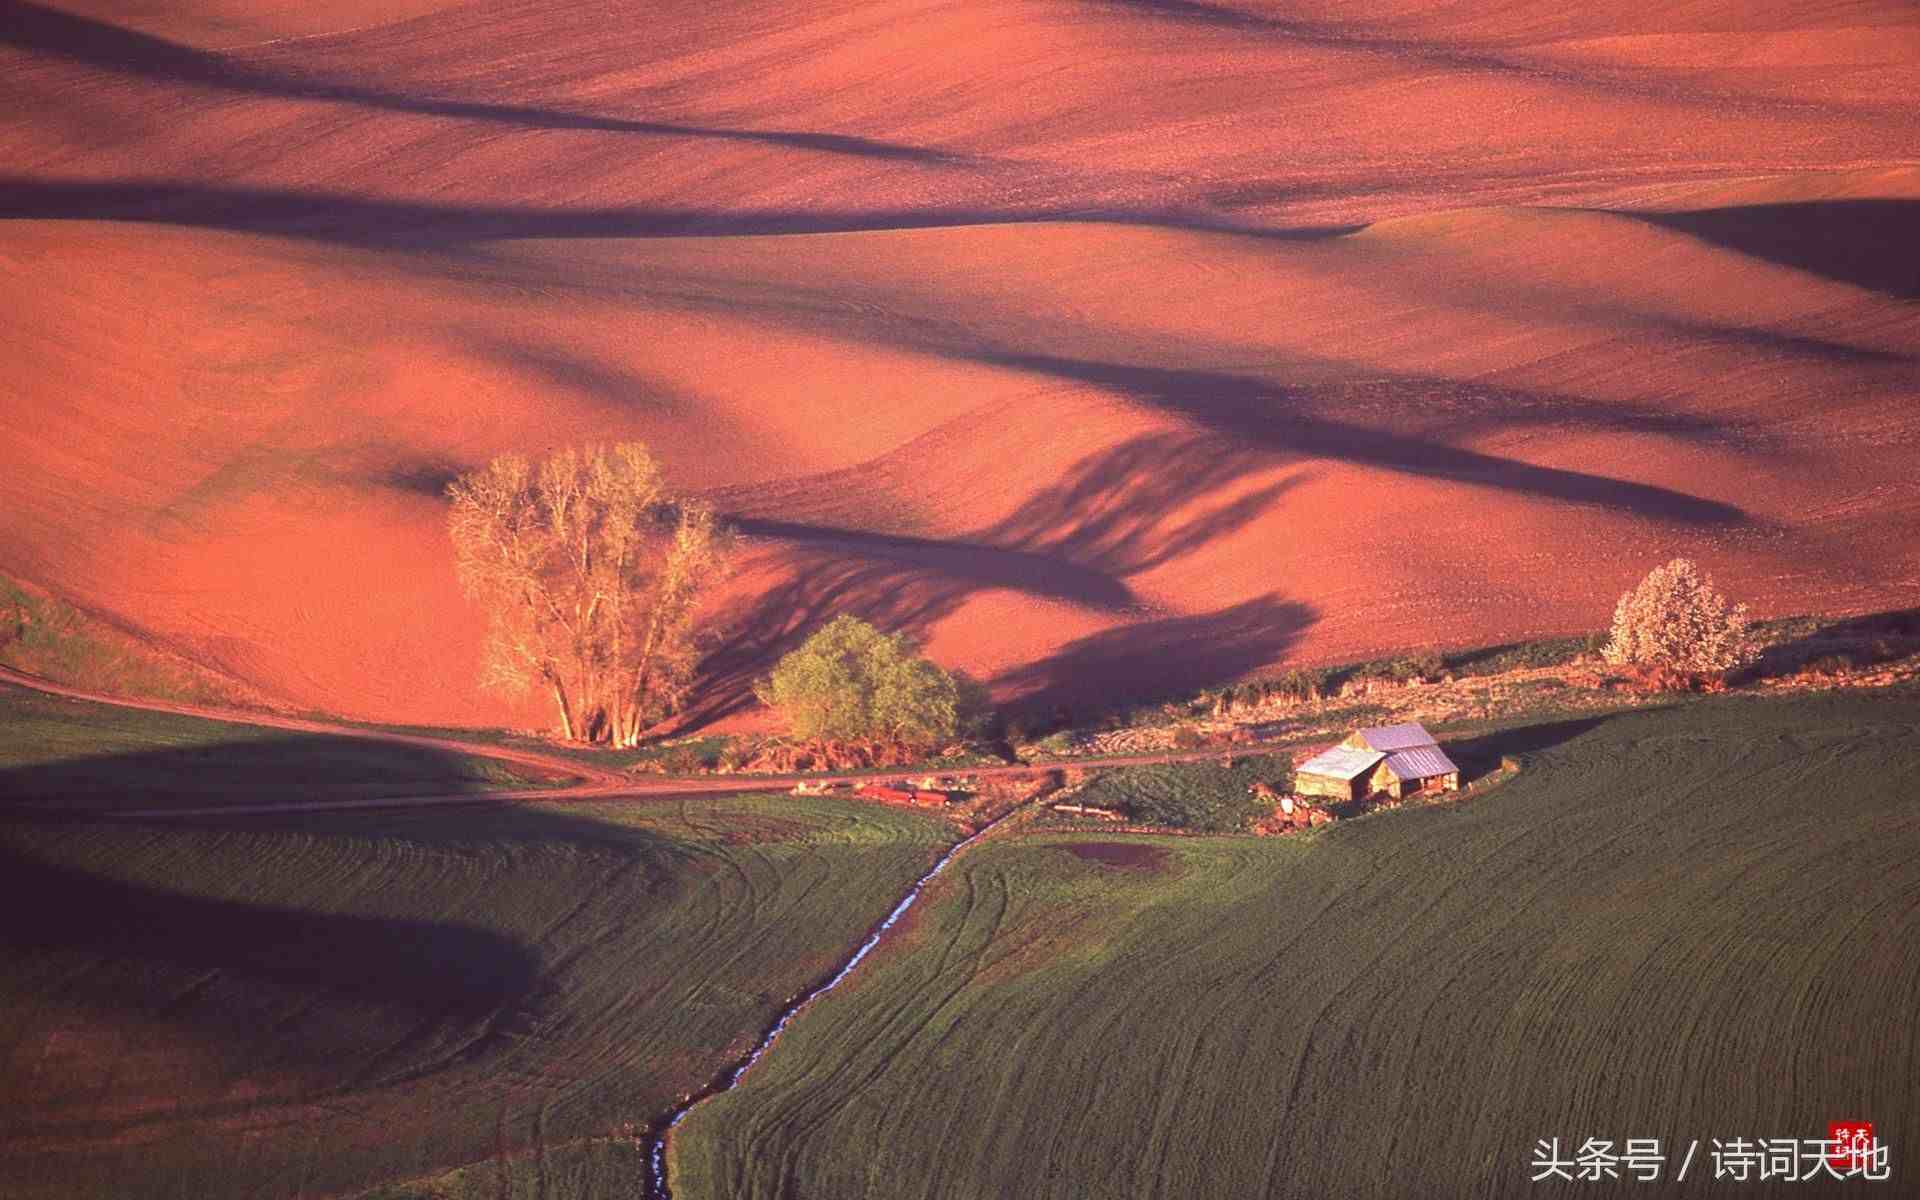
(1072, 336)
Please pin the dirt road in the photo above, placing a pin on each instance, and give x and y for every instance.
(594, 782)
(551, 763)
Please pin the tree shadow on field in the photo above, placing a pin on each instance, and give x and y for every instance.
(1157, 660)
(1114, 514)
(1122, 511)
(1869, 243)
(145, 923)
(1259, 414)
(1406, 424)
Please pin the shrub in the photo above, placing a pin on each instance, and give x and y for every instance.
(1301, 683)
(1188, 738)
(682, 760)
(1425, 665)
(1058, 742)
(850, 682)
(1674, 620)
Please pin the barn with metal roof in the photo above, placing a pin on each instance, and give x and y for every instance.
(1388, 738)
(1338, 774)
(1415, 769)
(1395, 759)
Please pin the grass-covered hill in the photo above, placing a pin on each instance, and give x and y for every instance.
(472, 1000)
(1682, 923)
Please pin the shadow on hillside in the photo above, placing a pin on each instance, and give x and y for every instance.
(894, 595)
(1125, 510)
(1261, 414)
(1869, 243)
(159, 936)
(1114, 514)
(247, 770)
(1787, 347)
(387, 223)
(1404, 424)
(1161, 659)
(958, 565)
(1333, 37)
(607, 380)
(37, 28)
(1479, 757)
(1853, 644)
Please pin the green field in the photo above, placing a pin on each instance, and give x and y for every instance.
(1699, 922)
(447, 1002)
(1202, 796)
(73, 755)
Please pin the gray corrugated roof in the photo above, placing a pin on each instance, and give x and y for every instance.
(1420, 762)
(1341, 762)
(1397, 737)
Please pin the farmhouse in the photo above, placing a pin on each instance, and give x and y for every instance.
(1395, 759)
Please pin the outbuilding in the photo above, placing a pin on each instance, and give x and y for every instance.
(1395, 759)
(1411, 761)
(1339, 774)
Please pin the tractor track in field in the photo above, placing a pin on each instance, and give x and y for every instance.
(662, 1127)
(594, 782)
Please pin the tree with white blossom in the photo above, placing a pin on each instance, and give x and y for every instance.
(1674, 619)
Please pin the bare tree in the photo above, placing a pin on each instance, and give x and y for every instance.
(591, 573)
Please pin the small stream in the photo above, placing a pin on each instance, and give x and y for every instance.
(657, 1150)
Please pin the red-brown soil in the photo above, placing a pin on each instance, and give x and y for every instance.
(1106, 344)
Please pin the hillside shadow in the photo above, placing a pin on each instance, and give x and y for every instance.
(1291, 422)
(1125, 510)
(1869, 243)
(391, 997)
(755, 632)
(427, 478)
(247, 770)
(604, 380)
(411, 224)
(1853, 644)
(1114, 514)
(1330, 37)
(958, 563)
(1260, 414)
(1478, 757)
(38, 29)
(1161, 659)
(1780, 346)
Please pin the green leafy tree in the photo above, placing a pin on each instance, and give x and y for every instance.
(590, 571)
(851, 683)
